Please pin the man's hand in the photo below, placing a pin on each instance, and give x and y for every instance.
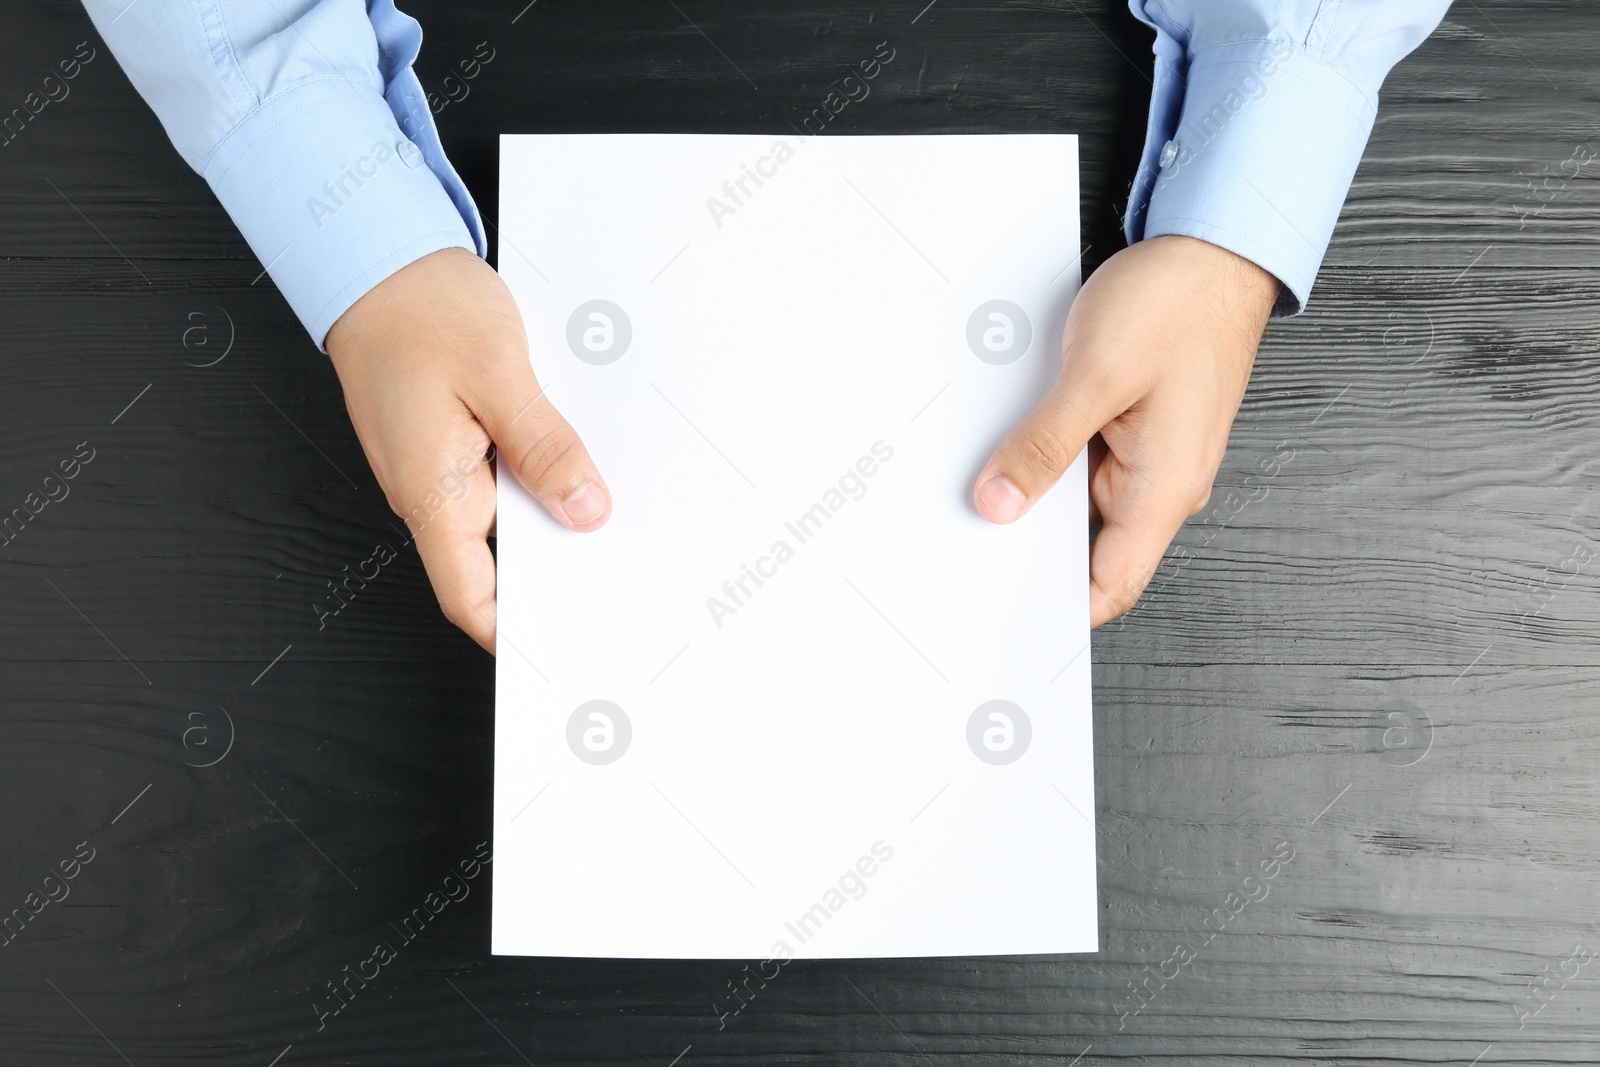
(1157, 353)
(434, 363)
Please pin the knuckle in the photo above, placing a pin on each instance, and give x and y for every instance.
(1200, 501)
(1043, 450)
(547, 453)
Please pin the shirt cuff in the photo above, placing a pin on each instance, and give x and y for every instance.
(331, 196)
(1258, 159)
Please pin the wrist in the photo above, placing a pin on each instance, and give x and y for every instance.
(1234, 288)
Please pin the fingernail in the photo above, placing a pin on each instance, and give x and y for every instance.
(586, 505)
(1003, 499)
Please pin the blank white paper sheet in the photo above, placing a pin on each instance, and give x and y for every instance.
(797, 699)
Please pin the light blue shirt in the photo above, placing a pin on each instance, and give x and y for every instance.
(1259, 113)
(306, 120)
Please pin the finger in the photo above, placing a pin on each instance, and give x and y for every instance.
(542, 448)
(451, 541)
(1141, 517)
(1038, 452)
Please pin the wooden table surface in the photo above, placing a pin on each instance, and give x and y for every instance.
(1371, 654)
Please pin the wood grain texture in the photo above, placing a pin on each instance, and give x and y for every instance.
(1374, 649)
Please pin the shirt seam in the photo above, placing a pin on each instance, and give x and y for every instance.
(279, 121)
(1321, 23)
(227, 66)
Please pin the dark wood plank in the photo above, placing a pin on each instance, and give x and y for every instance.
(1378, 651)
(1428, 881)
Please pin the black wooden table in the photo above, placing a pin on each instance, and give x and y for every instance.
(1370, 655)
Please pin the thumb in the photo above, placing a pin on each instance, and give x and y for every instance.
(543, 449)
(1039, 451)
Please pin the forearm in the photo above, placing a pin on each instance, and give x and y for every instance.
(1260, 111)
(309, 125)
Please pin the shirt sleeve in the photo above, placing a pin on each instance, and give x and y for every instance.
(1259, 113)
(307, 121)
